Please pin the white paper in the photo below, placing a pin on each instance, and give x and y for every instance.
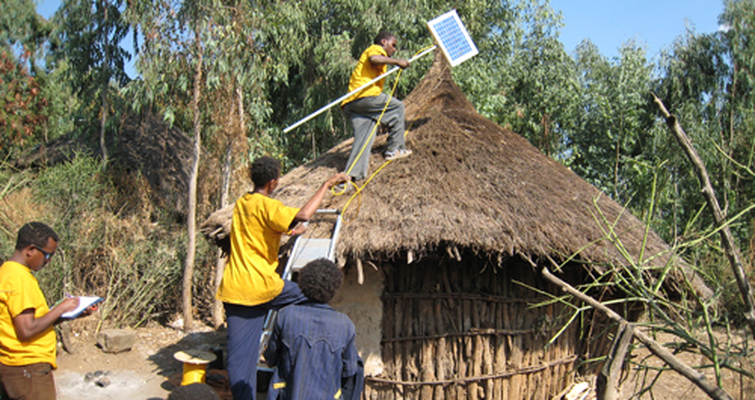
(84, 303)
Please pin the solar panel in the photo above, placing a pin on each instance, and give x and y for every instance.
(452, 38)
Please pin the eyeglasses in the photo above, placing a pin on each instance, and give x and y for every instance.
(47, 255)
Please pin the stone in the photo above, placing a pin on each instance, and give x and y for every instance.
(103, 382)
(115, 340)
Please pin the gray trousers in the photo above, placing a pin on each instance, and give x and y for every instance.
(363, 114)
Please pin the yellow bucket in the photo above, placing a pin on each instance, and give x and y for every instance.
(193, 373)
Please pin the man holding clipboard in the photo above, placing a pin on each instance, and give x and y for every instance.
(28, 342)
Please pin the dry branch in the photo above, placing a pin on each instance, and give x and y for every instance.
(730, 247)
(659, 351)
(608, 378)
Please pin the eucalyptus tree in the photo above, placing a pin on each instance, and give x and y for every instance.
(538, 79)
(737, 139)
(90, 33)
(22, 29)
(609, 143)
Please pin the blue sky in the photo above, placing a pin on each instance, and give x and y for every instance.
(653, 23)
(609, 23)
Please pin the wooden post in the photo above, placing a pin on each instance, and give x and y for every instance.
(608, 378)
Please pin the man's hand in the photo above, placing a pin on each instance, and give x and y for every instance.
(69, 304)
(404, 64)
(299, 229)
(340, 177)
(89, 310)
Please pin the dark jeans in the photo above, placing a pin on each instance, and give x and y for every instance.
(27, 382)
(245, 326)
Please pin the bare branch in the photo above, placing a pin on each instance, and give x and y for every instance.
(730, 247)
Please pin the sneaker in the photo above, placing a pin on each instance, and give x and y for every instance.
(396, 154)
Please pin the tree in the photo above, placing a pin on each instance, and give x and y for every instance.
(22, 29)
(542, 88)
(91, 32)
(609, 142)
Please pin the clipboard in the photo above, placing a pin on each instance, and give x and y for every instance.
(84, 303)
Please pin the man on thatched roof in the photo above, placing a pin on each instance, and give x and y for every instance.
(250, 286)
(365, 108)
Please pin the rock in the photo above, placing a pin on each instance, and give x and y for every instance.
(115, 340)
(103, 382)
(90, 376)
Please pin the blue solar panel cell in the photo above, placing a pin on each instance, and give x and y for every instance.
(452, 38)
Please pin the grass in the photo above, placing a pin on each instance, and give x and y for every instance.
(114, 243)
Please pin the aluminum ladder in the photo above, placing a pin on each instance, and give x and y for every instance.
(305, 250)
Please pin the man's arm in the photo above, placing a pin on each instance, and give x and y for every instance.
(27, 326)
(379, 59)
(352, 380)
(306, 212)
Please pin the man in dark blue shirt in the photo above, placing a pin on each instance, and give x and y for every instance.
(312, 344)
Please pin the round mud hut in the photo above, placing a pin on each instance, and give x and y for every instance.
(443, 252)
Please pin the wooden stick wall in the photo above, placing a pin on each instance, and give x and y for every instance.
(464, 330)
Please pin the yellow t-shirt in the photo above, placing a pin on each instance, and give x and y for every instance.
(249, 278)
(19, 291)
(365, 72)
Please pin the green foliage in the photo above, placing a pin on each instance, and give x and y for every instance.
(652, 286)
(90, 33)
(610, 143)
(75, 188)
(20, 25)
(707, 83)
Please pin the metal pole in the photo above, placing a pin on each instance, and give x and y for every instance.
(347, 95)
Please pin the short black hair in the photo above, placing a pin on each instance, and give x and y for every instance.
(319, 280)
(35, 233)
(194, 391)
(264, 170)
(382, 35)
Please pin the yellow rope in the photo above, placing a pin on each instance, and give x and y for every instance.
(358, 189)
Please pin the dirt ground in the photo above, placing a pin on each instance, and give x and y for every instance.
(670, 385)
(149, 372)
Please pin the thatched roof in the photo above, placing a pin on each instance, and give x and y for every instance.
(470, 185)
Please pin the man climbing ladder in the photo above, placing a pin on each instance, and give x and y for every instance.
(364, 108)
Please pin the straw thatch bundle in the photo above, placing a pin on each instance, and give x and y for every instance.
(470, 185)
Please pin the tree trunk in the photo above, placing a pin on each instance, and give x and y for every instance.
(192, 217)
(103, 96)
(608, 378)
(103, 122)
(730, 247)
(217, 308)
